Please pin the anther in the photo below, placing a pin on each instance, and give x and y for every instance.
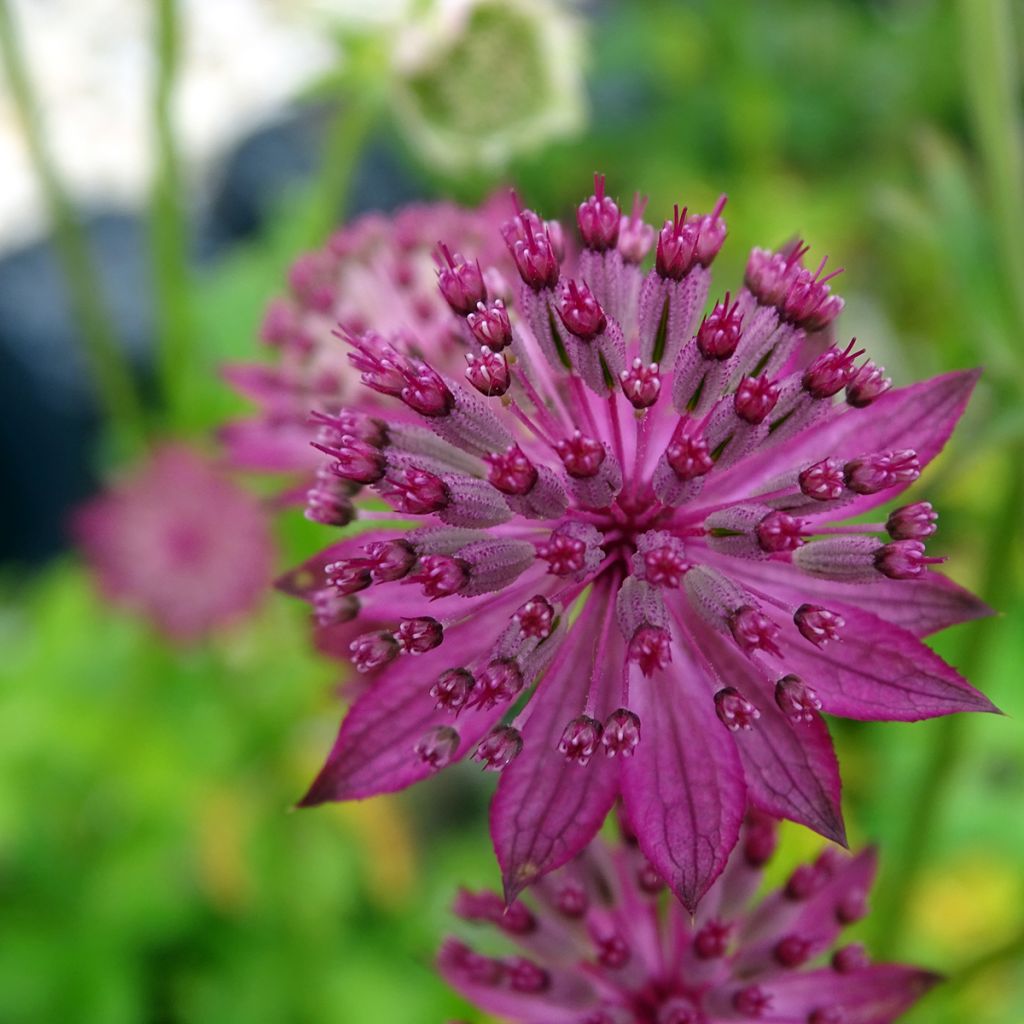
(641, 384)
(598, 219)
(488, 372)
(437, 747)
(511, 472)
(582, 456)
(779, 532)
(491, 326)
(580, 740)
(817, 624)
(872, 473)
(796, 700)
(868, 383)
(830, 372)
(912, 522)
(373, 650)
(452, 689)
(440, 575)
(417, 636)
(850, 958)
(415, 491)
(755, 398)
(904, 560)
(734, 711)
(621, 733)
(751, 1001)
(651, 648)
(791, 951)
(579, 310)
(754, 631)
(499, 748)
(461, 282)
(689, 457)
(712, 941)
(719, 332)
(536, 618)
(824, 481)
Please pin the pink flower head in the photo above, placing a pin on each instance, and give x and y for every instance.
(640, 588)
(179, 543)
(401, 275)
(596, 944)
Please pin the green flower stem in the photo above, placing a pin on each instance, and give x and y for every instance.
(992, 80)
(345, 137)
(925, 816)
(176, 331)
(111, 372)
(1009, 952)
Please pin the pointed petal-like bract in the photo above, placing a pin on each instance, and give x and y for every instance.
(375, 748)
(920, 417)
(547, 808)
(790, 767)
(683, 789)
(637, 957)
(877, 671)
(922, 606)
(876, 994)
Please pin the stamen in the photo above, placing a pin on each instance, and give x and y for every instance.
(734, 711)
(437, 747)
(499, 748)
(621, 733)
(580, 739)
(797, 701)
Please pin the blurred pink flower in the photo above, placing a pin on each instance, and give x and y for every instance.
(597, 944)
(630, 580)
(379, 271)
(179, 543)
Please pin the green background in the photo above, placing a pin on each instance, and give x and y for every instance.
(150, 867)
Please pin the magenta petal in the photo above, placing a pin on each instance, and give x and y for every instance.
(921, 606)
(567, 997)
(873, 995)
(879, 672)
(374, 751)
(683, 788)
(920, 417)
(790, 767)
(547, 808)
(282, 448)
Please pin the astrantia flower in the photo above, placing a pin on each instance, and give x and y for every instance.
(178, 543)
(622, 551)
(379, 272)
(599, 944)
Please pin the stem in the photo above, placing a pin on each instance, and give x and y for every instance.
(927, 804)
(111, 373)
(176, 330)
(345, 137)
(992, 83)
(1010, 951)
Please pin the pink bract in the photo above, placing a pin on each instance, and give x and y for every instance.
(631, 552)
(379, 271)
(179, 543)
(596, 943)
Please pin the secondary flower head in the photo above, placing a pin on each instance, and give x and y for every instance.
(383, 272)
(597, 944)
(179, 543)
(625, 534)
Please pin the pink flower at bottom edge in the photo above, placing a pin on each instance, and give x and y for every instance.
(599, 942)
(179, 543)
(632, 567)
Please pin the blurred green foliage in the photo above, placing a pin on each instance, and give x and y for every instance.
(149, 870)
